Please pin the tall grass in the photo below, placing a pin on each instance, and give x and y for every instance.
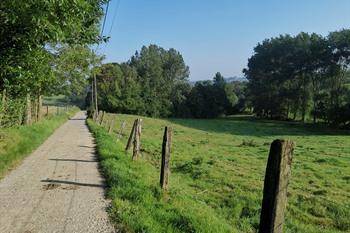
(18, 142)
(217, 172)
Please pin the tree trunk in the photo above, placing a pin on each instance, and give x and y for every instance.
(4, 97)
(39, 107)
(28, 115)
(34, 110)
(3, 106)
(93, 113)
(95, 82)
(314, 111)
(303, 115)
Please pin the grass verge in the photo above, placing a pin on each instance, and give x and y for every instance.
(18, 142)
(217, 172)
(138, 203)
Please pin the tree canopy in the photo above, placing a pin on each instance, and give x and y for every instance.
(31, 32)
(299, 76)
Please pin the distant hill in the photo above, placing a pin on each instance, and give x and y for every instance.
(229, 79)
(235, 78)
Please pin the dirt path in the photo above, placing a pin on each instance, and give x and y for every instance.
(58, 188)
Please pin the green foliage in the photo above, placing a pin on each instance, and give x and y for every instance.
(18, 142)
(138, 203)
(73, 68)
(211, 99)
(154, 83)
(160, 73)
(27, 27)
(306, 74)
(217, 172)
(30, 32)
(118, 89)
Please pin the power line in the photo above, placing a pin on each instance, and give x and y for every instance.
(104, 20)
(113, 20)
(103, 25)
(114, 17)
(94, 85)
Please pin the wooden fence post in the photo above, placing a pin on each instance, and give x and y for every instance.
(122, 126)
(105, 120)
(277, 175)
(111, 125)
(131, 137)
(58, 110)
(98, 116)
(94, 116)
(165, 166)
(102, 116)
(137, 140)
(47, 110)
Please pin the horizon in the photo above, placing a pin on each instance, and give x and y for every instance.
(225, 35)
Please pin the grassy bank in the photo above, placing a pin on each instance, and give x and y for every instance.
(18, 142)
(218, 168)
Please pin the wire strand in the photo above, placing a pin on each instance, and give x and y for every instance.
(115, 14)
(103, 25)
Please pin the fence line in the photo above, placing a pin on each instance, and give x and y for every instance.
(277, 175)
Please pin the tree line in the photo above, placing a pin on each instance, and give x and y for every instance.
(155, 82)
(43, 51)
(298, 77)
(293, 77)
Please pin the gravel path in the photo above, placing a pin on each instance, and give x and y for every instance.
(58, 188)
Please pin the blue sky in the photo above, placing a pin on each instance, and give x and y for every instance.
(215, 35)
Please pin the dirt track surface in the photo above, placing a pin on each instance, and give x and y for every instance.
(58, 188)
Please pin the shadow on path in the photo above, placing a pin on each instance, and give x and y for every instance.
(74, 183)
(247, 126)
(75, 160)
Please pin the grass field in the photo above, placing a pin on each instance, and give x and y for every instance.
(217, 174)
(58, 100)
(18, 142)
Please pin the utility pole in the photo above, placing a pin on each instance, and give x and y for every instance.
(96, 108)
(92, 96)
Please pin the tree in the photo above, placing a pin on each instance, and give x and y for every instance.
(299, 75)
(28, 31)
(159, 72)
(73, 67)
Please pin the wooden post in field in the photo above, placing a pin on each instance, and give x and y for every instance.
(137, 140)
(107, 121)
(131, 137)
(98, 116)
(104, 120)
(102, 116)
(122, 126)
(165, 166)
(47, 110)
(111, 125)
(94, 116)
(58, 110)
(277, 175)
